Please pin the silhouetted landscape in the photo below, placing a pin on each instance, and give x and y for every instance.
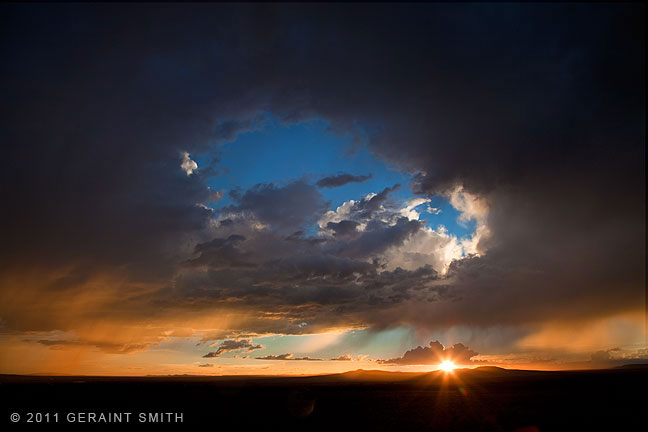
(482, 399)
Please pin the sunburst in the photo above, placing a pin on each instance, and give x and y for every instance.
(447, 366)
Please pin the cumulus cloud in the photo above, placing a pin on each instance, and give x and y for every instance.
(426, 246)
(434, 354)
(334, 280)
(339, 270)
(341, 180)
(371, 212)
(410, 212)
(371, 204)
(188, 165)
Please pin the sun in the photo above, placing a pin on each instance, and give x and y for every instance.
(447, 366)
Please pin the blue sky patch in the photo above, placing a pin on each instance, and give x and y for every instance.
(268, 154)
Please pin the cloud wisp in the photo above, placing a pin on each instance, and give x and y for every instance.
(233, 345)
(341, 180)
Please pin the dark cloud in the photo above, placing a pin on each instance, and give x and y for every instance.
(289, 206)
(380, 236)
(319, 281)
(222, 253)
(538, 110)
(341, 180)
(298, 236)
(367, 207)
(433, 355)
(310, 286)
(343, 228)
(233, 345)
(206, 365)
(210, 355)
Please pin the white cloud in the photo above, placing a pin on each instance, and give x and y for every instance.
(437, 247)
(343, 212)
(470, 206)
(188, 165)
(428, 246)
(409, 212)
(431, 247)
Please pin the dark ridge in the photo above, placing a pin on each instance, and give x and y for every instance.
(633, 366)
(489, 369)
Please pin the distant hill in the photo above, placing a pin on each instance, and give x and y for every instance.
(633, 366)
(378, 375)
(489, 369)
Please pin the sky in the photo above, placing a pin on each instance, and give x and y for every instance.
(303, 189)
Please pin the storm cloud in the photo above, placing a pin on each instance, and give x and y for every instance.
(536, 112)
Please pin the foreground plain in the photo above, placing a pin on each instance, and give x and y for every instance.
(482, 399)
